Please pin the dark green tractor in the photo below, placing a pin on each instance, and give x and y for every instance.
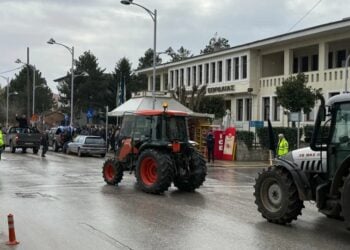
(317, 173)
(155, 145)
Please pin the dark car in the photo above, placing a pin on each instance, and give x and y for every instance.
(86, 144)
(58, 137)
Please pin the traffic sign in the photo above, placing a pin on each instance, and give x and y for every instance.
(256, 124)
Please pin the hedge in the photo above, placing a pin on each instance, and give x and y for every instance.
(247, 137)
(289, 133)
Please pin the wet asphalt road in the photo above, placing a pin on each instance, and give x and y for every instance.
(61, 202)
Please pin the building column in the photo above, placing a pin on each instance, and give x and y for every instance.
(288, 58)
(322, 57)
(149, 83)
(161, 82)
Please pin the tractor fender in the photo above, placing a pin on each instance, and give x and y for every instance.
(341, 172)
(126, 149)
(299, 177)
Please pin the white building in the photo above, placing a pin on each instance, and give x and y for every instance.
(247, 75)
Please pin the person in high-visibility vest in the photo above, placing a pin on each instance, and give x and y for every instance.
(282, 147)
(2, 141)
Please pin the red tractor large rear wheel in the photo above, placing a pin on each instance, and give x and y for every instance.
(196, 173)
(154, 171)
(112, 172)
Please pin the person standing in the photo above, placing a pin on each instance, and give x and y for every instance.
(282, 147)
(2, 141)
(22, 121)
(210, 145)
(44, 143)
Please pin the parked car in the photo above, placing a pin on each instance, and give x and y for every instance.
(23, 138)
(86, 144)
(58, 136)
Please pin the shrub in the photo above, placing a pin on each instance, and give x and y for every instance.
(247, 137)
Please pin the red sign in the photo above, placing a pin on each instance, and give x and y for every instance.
(219, 144)
(230, 136)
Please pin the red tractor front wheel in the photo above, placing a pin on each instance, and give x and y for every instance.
(154, 171)
(112, 172)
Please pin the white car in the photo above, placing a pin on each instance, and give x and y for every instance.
(89, 145)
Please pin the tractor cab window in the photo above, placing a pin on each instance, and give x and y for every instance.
(136, 126)
(142, 128)
(342, 124)
(176, 128)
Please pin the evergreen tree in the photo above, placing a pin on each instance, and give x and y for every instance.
(43, 94)
(216, 44)
(89, 91)
(181, 54)
(146, 61)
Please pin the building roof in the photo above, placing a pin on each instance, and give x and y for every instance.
(343, 23)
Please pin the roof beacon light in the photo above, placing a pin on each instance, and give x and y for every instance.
(165, 106)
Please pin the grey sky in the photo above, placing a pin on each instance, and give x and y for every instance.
(111, 30)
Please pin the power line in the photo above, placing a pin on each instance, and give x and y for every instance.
(306, 14)
(11, 70)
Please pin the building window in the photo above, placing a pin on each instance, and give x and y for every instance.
(213, 72)
(188, 76)
(157, 83)
(182, 77)
(330, 60)
(207, 73)
(239, 110)
(171, 79)
(304, 64)
(244, 67)
(341, 57)
(236, 68)
(227, 105)
(295, 65)
(276, 109)
(194, 75)
(266, 108)
(200, 74)
(314, 63)
(228, 70)
(220, 70)
(176, 78)
(248, 109)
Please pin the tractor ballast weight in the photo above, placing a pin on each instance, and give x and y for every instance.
(155, 145)
(319, 173)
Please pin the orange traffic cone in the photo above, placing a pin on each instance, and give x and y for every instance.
(12, 234)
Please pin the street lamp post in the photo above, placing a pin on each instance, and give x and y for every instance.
(154, 18)
(71, 50)
(7, 98)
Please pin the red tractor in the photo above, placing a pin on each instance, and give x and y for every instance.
(155, 144)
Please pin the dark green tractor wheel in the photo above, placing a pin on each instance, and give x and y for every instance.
(276, 196)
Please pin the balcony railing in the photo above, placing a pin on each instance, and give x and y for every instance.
(329, 75)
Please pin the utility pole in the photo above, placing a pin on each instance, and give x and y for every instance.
(28, 88)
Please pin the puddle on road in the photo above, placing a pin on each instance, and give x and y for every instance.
(35, 195)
